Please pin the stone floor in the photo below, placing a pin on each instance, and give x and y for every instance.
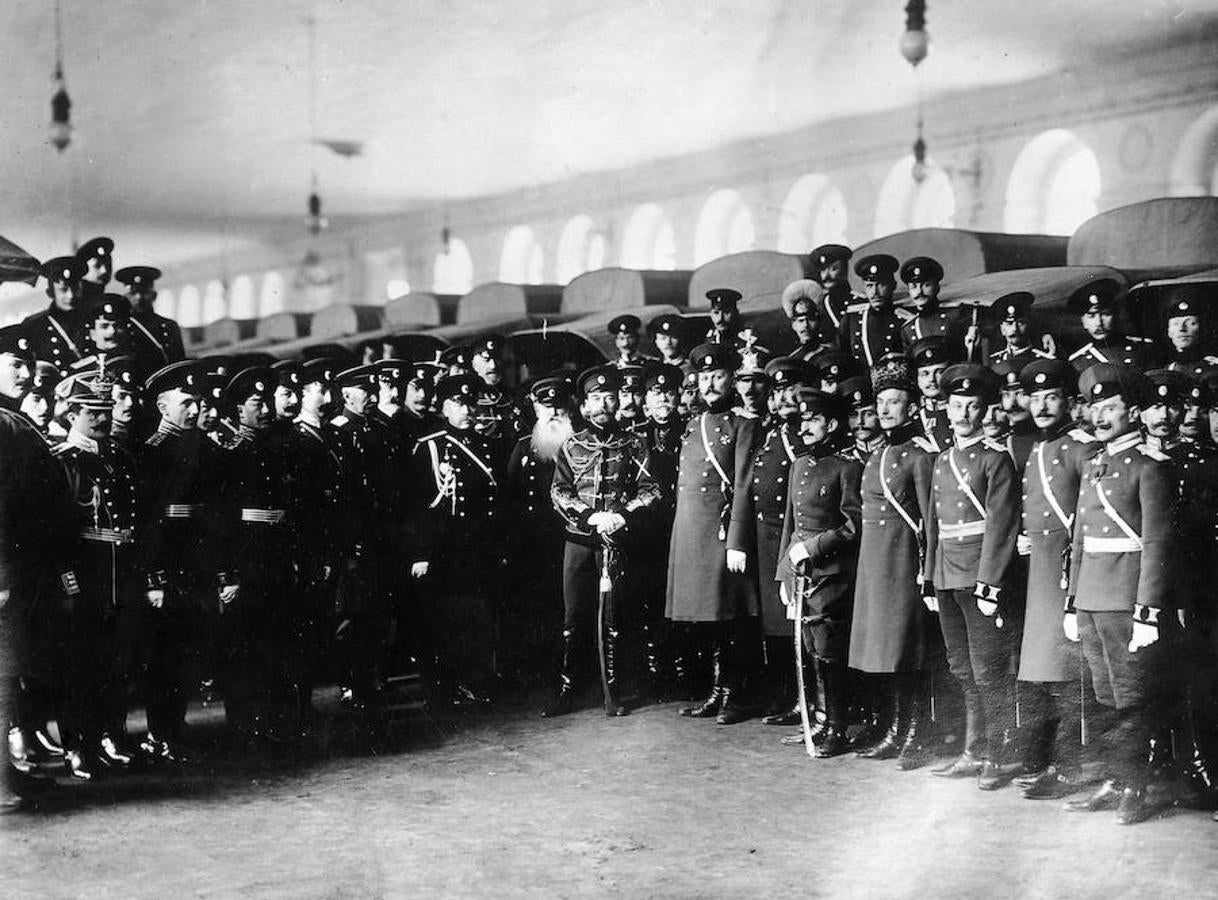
(506, 804)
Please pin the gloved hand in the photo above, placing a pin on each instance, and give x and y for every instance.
(798, 553)
(156, 598)
(229, 593)
(1023, 544)
(987, 601)
(1182, 617)
(1070, 621)
(736, 561)
(782, 593)
(929, 597)
(1145, 627)
(419, 569)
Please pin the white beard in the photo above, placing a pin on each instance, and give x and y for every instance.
(548, 437)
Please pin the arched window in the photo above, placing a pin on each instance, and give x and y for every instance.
(242, 304)
(1054, 185)
(649, 241)
(396, 287)
(215, 302)
(271, 300)
(724, 226)
(190, 307)
(454, 269)
(581, 248)
(523, 260)
(905, 202)
(1194, 170)
(814, 212)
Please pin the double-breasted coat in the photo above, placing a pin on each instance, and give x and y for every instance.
(769, 477)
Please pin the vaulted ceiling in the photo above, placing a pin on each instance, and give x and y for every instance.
(192, 116)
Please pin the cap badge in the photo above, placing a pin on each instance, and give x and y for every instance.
(1040, 378)
(1097, 389)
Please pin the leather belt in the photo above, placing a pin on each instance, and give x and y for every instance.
(1111, 545)
(963, 529)
(108, 535)
(181, 510)
(263, 516)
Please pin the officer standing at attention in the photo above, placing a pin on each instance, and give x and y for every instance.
(874, 332)
(866, 436)
(713, 513)
(924, 278)
(724, 316)
(830, 267)
(971, 529)
(1186, 327)
(97, 257)
(105, 337)
(1013, 312)
(1121, 585)
(55, 333)
(602, 489)
(800, 301)
(667, 334)
(1096, 306)
(930, 357)
(625, 331)
(156, 340)
(453, 540)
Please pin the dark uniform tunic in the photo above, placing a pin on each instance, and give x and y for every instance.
(712, 516)
(892, 630)
(935, 426)
(1117, 348)
(155, 341)
(768, 490)
(831, 311)
(56, 336)
(1008, 352)
(824, 513)
(1050, 494)
(869, 335)
(934, 320)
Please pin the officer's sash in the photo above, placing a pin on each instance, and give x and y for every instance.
(963, 484)
(64, 334)
(148, 334)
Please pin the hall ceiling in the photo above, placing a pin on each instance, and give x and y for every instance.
(192, 126)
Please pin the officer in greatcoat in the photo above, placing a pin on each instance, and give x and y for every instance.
(956, 326)
(712, 515)
(156, 340)
(873, 332)
(55, 333)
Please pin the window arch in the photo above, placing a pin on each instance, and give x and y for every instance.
(453, 269)
(215, 302)
(242, 304)
(190, 307)
(814, 212)
(1054, 185)
(581, 248)
(1194, 170)
(271, 299)
(649, 241)
(523, 259)
(906, 203)
(725, 225)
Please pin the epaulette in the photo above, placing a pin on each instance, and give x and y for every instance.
(1150, 451)
(991, 444)
(339, 421)
(1081, 351)
(156, 439)
(925, 443)
(1083, 437)
(58, 450)
(905, 315)
(1134, 339)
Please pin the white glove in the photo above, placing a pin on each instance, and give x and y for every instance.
(613, 522)
(736, 560)
(932, 602)
(419, 569)
(156, 598)
(229, 593)
(798, 553)
(782, 593)
(1144, 634)
(1070, 626)
(1023, 545)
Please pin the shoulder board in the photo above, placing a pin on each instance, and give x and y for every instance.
(925, 444)
(339, 421)
(1081, 351)
(155, 439)
(1159, 455)
(991, 444)
(1083, 437)
(1134, 339)
(62, 450)
(905, 315)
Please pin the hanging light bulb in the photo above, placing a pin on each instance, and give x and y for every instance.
(915, 42)
(60, 131)
(316, 221)
(445, 239)
(919, 169)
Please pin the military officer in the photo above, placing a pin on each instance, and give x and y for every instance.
(872, 333)
(1185, 326)
(96, 255)
(1016, 431)
(418, 396)
(1120, 594)
(831, 368)
(455, 530)
(829, 265)
(667, 333)
(457, 360)
(866, 436)
(102, 480)
(1096, 306)
(724, 316)
(971, 528)
(924, 278)
(930, 357)
(106, 339)
(531, 620)
(688, 401)
(286, 405)
(819, 541)
(181, 528)
(1013, 312)
(55, 333)
(630, 396)
(38, 404)
(1193, 428)
(1048, 663)
(625, 331)
(800, 301)
(713, 512)
(602, 489)
(752, 383)
(498, 417)
(126, 419)
(894, 640)
(156, 340)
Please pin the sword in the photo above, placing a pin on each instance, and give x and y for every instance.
(803, 588)
(606, 587)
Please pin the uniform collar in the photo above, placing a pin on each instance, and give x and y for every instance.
(1161, 445)
(1123, 443)
(965, 443)
(80, 442)
(309, 419)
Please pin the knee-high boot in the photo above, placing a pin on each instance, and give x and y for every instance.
(613, 704)
(833, 740)
(564, 702)
(916, 689)
(709, 707)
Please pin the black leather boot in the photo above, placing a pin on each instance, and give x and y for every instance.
(564, 702)
(968, 763)
(709, 707)
(833, 741)
(657, 685)
(888, 746)
(1194, 764)
(613, 704)
(876, 691)
(914, 752)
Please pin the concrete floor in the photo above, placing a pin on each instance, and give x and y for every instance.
(506, 804)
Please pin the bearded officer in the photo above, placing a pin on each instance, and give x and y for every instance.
(55, 332)
(1121, 586)
(872, 333)
(923, 276)
(630, 397)
(156, 339)
(452, 539)
(830, 268)
(866, 436)
(800, 301)
(602, 489)
(724, 316)
(971, 529)
(1096, 306)
(1048, 663)
(713, 513)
